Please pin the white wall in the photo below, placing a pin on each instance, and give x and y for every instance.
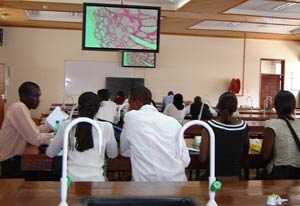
(190, 65)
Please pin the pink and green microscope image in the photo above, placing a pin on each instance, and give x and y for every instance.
(123, 28)
(139, 59)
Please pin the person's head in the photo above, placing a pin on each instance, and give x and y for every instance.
(170, 93)
(197, 99)
(29, 93)
(120, 94)
(138, 97)
(178, 101)
(285, 103)
(103, 94)
(226, 106)
(88, 105)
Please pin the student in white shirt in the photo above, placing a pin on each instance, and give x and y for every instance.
(151, 140)
(108, 110)
(177, 109)
(84, 161)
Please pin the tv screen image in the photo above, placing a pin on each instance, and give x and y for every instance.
(120, 27)
(124, 84)
(139, 59)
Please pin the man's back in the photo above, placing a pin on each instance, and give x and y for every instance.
(150, 138)
(108, 111)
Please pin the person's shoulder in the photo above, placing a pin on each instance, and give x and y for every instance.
(168, 118)
(17, 106)
(104, 125)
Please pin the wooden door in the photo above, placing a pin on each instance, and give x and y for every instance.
(2, 92)
(270, 86)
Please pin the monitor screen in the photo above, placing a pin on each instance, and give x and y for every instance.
(116, 84)
(112, 27)
(139, 59)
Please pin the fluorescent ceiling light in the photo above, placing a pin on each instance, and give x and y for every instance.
(296, 31)
(284, 6)
(267, 9)
(246, 27)
(164, 4)
(53, 16)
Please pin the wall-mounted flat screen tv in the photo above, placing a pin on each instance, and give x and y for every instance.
(111, 27)
(138, 59)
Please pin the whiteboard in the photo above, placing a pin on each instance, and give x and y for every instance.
(82, 76)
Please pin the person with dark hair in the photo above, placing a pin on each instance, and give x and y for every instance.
(167, 100)
(151, 140)
(108, 110)
(231, 138)
(279, 147)
(177, 109)
(195, 110)
(18, 129)
(84, 161)
(119, 100)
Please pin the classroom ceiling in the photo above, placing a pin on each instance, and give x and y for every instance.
(261, 19)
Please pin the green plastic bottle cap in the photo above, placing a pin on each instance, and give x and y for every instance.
(68, 181)
(216, 186)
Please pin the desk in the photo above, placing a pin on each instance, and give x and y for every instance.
(33, 160)
(256, 128)
(234, 193)
(257, 117)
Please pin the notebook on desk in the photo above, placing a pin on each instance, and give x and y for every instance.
(56, 115)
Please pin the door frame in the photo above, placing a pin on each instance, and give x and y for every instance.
(282, 61)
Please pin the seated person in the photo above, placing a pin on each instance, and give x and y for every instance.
(108, 110)
(279, 148)
(167, 100)
(195, 110)
(177, 109)
(84, 161)
(231, 138)
(18, 129)
(119, 100)
(150, 139)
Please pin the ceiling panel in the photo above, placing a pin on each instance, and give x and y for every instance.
(179, 21)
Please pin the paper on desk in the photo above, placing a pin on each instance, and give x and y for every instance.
(193, 149)
(56, 114)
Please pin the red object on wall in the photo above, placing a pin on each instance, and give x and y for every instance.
(235, 86)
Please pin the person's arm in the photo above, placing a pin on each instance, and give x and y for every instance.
(187, 109)
(116, 116)
(124, 141)
(166, 110)
(204, 146)
(185, 157)
(268, 144)
(245, 150)
(44, 128)
(23, 123)
(111, 146)
(57, 142)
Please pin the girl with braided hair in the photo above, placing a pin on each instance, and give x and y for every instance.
(84, 161)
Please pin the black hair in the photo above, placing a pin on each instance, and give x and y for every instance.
(170, 93)
(88, 105)
(178, 101)
(103, 94)
(141, 94)
(226, 106)
(27, 88)
(285, 103)
(121, 94)
(198, 100)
